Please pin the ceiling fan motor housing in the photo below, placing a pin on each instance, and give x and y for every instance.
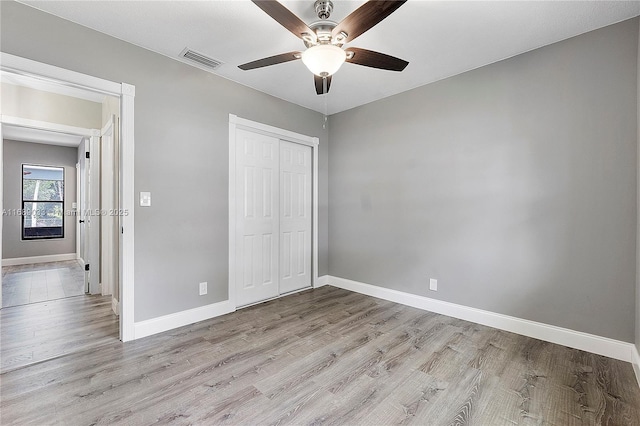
(323, 33)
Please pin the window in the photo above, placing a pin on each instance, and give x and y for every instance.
(42, 202)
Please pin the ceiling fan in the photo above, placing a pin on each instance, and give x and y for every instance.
(325, 39)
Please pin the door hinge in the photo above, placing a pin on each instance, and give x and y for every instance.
(87, 155)
(86, 266)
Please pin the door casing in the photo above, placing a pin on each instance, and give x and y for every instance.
(126, 93)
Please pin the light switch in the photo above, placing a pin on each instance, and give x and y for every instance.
(145, 199)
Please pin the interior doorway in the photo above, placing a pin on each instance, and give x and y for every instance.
(42, 74)
(57, 225)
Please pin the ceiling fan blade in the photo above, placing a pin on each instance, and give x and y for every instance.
(271, 60)
(285, 17)
(372, 59)
(366, 17)
(322, 84)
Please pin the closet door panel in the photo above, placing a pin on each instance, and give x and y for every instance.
(257, 224)
(295, 216)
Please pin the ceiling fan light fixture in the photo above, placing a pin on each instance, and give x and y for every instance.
(324, 59)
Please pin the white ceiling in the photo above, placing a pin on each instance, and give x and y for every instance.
(438, 38)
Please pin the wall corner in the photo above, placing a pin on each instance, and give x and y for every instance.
(637, 342)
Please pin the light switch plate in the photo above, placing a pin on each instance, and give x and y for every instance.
(145, 199)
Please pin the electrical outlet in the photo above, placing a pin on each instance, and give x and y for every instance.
(203, 288)
(433, 284)
(145, 199)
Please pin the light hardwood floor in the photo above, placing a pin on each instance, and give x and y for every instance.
(23, 284)
(324, 356)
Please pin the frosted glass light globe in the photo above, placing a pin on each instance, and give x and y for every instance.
(324, 59)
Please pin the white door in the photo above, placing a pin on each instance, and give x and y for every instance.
(82, 209)
(109, 236)
(257, 224)
(92, 214)
(295, 216)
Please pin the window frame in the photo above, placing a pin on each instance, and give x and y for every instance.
(23, 210)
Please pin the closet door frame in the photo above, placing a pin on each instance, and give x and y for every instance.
(236, 122)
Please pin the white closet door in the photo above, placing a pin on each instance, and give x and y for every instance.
(257, 208)
(295, 216)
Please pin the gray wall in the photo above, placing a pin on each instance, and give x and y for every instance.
(638, 215)
(513, 184)
(15, 154)
(24, 102)
(181, 137)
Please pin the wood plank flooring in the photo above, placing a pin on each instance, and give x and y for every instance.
(40, 331)
(23, 284)
(324, 356)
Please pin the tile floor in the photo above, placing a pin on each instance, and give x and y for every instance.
(24, 284)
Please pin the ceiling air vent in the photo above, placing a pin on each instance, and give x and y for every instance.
(199, 58)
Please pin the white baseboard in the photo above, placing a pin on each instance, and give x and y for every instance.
(115, 306)
(179, 319)
(636, 363)
(38, 259)
(322, 281)
(562, 336)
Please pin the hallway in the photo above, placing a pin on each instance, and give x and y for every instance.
(25, 284)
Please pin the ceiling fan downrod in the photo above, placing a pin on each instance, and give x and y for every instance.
(323, 8)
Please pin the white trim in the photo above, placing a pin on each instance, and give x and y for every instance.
(549, 333)
(93, 222)
(236, 122)
(1, 202)
(108, 193)
(322, 281)
(232, 210)
(115, 306)
(126, 93)
(9, 120)
(38, 259)
(41, 71)
(314, 224)
(127, 205)
(179, 319)
(273, 131)
(108, 127)
(636, 363)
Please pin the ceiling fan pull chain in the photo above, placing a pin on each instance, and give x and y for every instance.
(324, 124)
